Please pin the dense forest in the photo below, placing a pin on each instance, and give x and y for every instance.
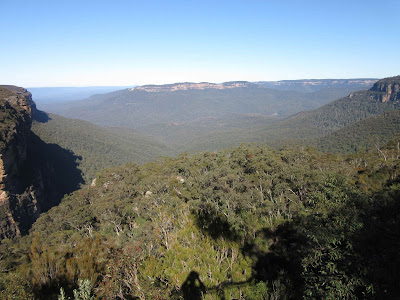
(246, 223)
(96, 147)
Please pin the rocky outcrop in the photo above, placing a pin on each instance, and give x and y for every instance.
(192, 86)
(23, 177)
(313, 84)
(15, 117)
(320, 82)
(387, 90)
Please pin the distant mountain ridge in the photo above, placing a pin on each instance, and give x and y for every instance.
(180, 113)
(308, 85)
(184, 86)
(46, 95)
(304, 127)
(283, 85)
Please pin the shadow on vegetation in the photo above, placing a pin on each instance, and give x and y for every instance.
(40, 116)
(215, 224)
(362, 250)
(59, 167)
(193, 288)
(378, 242)
(49, 173)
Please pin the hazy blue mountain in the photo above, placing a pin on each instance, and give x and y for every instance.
(312, 85)
(61, 94)
(305, 127)
(182, 113)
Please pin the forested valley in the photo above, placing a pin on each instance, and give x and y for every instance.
(304, 206)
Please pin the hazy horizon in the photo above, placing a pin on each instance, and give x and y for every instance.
(168, 83)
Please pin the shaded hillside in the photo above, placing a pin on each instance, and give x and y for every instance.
(96, 146)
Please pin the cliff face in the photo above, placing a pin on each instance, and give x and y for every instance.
(192, 86)
(15, 118)
(320, 82)
(387, 90)
(24, 178)
(308, 84)
(312, 85)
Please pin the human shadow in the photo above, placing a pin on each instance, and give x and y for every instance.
(193, 288)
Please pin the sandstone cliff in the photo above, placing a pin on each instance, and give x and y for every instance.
(15, 118)
(387, 90)
(28, 183)
(184, 86)
(301, 85)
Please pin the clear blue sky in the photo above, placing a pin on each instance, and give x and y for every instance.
(86, 43)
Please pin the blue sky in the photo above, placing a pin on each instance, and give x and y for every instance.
(94, 43)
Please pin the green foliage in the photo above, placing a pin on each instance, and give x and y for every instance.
(14, 287)
(369, 133)
(251, 222)
(123, 277)
(84, 290)
(95, 147)
(62, 295)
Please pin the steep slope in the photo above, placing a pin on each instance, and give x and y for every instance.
(97, 147)
(29, 183)
(15, 122)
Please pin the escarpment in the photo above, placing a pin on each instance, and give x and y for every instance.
(15, 118)
(387, 90)
(28, 183)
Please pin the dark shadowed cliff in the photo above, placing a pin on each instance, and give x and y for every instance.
(31, 171)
